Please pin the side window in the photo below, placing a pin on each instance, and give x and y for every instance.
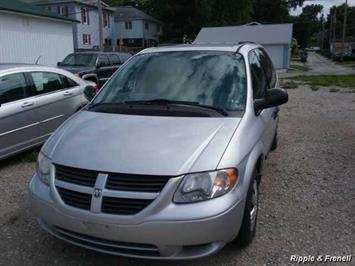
(45, 82)
(67, 82)
(12, 88)
(259, 80)
(103, 60)
(268, 67)
(114, 59)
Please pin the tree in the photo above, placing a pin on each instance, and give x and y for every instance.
(307, 24)
(273, 11)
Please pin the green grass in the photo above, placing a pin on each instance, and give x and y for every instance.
(350, 64)
(303, 68)
(289, 85)
(346, 81)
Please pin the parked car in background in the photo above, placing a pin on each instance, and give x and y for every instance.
(94, 66)
(34, 101)
(183, 134)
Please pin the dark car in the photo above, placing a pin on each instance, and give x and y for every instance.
(94, 66)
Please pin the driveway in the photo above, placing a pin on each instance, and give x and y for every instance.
(307, 196)
(320, 66)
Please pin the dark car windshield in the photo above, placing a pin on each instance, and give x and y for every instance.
(215, 79)
(79, 60)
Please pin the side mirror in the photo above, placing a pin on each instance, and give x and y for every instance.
(273, 97)
(59, 63)
(89, 92)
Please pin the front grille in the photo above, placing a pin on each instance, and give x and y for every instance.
(74, 198)
(75, 175)
(80, 196)
(123, 206)
(137, 183)
(109, 246)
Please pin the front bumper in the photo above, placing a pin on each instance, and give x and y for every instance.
(151, 236)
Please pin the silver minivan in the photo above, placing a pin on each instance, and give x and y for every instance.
(165, 162)
(34, 101)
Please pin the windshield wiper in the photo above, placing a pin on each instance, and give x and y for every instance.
(160, 101)
(190, 103)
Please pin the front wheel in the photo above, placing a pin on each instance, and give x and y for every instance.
(247, 230)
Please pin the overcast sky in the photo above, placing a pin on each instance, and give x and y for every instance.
(327, 4)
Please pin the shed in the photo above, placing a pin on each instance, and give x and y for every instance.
(29, 33)
(276, 38)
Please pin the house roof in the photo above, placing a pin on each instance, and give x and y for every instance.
(263, 34)
(85, 2)
(124, 13)
(28, 9)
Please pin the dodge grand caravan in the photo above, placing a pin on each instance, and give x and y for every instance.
(174, 174)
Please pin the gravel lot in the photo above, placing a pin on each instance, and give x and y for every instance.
(307, 201)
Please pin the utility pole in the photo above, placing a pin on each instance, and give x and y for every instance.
(344, 30)
(99, 7)
(330, 31)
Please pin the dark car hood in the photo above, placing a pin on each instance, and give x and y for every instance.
(78, 69)
(141, 144)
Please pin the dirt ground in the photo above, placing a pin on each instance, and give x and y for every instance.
(307, 196)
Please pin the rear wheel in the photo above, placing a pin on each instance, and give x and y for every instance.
(247, 230)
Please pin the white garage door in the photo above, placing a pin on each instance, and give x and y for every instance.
(276, 52)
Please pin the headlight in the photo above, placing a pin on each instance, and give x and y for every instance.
(43, 168)
(206, 185)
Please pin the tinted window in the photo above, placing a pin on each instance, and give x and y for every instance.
(103, 60)
(67, 82)
(258, 76)
(115, 60)
(45, 82)
(268, 67)
(211, 78)
(79, 60)
(12, 88)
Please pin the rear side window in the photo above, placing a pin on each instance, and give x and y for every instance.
(12, 88)
(45, 82)
(114, 59)
(259, 80)
(103, 60)
(67, 82)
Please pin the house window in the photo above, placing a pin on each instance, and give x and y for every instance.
(128, 25)
(147, 26)
(158, 28)
(63, 10)
(85, 16)
(108, 42)
(87, 39)
(106, 20)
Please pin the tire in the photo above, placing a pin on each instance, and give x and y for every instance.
(248, 227)
(274, 143)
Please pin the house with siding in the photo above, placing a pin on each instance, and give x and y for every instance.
(123, 26)
(134, 28)
(276, 39)
(30, 34)
(86, 32)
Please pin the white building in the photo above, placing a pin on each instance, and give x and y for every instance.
(29, 34)
(276, 38)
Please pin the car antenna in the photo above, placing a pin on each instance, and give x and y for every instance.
(38, 60)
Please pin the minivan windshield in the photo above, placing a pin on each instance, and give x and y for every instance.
(205, 78)
(79, 60)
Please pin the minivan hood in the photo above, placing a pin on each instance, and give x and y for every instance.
(141, 144)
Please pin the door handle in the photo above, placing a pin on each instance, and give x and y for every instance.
(68, 93)
(27, 104)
